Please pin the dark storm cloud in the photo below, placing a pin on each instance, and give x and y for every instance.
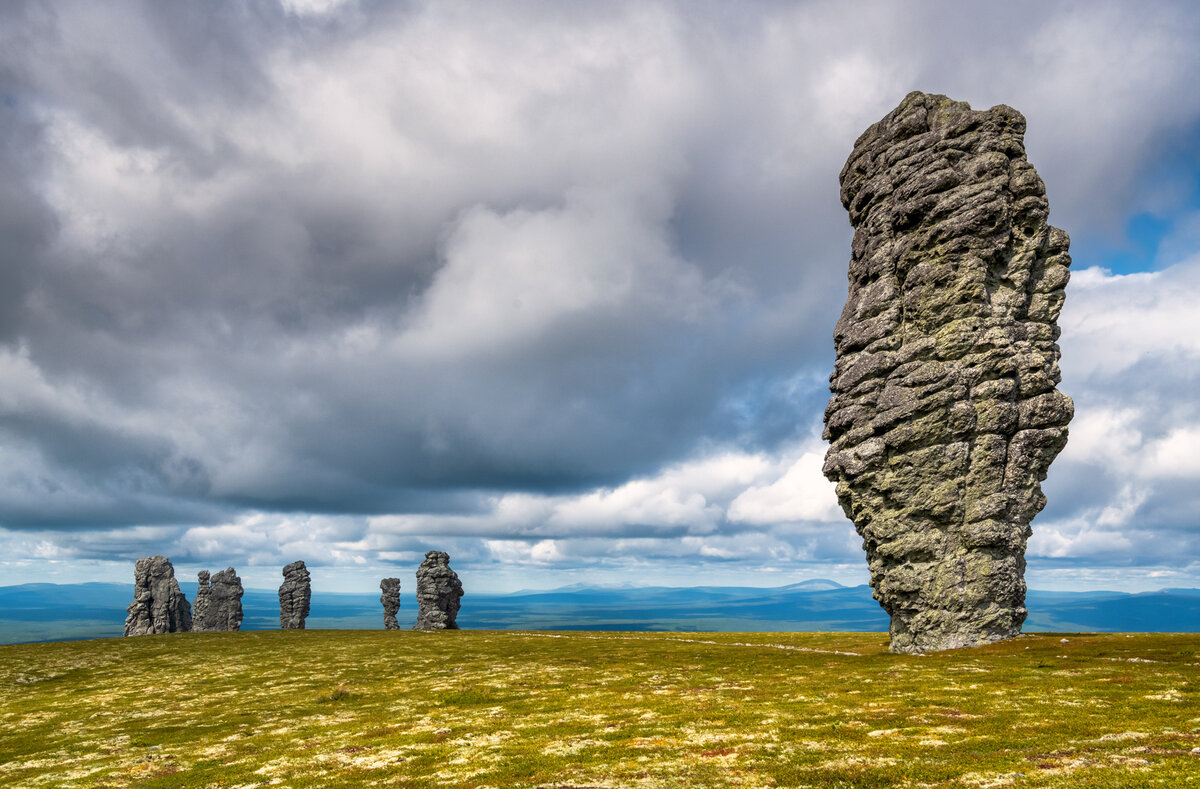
(26, 223)
(245, 296)
(510, 271)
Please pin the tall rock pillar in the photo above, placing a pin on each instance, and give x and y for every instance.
(438, 593)
(390, 599)
(219, 605)
(944, 416)
(295, 593)
(158, 604)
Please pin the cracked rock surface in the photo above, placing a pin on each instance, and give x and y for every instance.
(390, 598)
(438, 593)
(158, 605)
(294, 595)
(944, 416)
(219, 603)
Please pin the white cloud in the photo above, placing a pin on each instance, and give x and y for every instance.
(692, 495)
(313, 6)
(511, 279)
(1107, 437)
(542, 552)
(801, 494)
(1078, 541)
(1175, 455)
(1111, 322)
(1130, 354)
(1108, 530)
(1131, 351)
(261, 538)
(698, 497)
(539, 279)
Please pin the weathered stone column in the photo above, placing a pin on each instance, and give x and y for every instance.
(203, 596)
(158, 604)
(390, 598)
(438, 593)
(294, 595)
(219, 605)
(944, 416)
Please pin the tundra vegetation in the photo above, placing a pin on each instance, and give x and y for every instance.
(500, 708)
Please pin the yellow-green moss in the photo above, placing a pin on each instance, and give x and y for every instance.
(478, 709)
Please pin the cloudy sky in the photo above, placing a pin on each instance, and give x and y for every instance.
(550, 286)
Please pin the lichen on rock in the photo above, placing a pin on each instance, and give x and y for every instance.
(944, 416)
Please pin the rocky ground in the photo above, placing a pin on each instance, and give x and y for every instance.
(499, 709)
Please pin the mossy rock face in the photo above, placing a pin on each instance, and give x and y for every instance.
(944, 417)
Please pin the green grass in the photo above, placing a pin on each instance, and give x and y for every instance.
(500, 709)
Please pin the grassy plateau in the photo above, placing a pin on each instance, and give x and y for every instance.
(502, 708)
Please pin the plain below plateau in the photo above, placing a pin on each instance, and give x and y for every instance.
(58, 612)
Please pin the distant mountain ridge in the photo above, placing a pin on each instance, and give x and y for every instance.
(52, 612)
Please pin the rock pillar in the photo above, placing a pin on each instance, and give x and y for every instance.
(219, 605)
(158, 605)
(295, 593)
(438, 593)
(390, 598)
(944, 416)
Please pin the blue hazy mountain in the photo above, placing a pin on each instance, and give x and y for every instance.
(48, 612)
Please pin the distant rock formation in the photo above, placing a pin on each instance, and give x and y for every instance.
(438, 593)
(203, 596)
(158, 605)
(219, 606)
(944, 416)
(391, 602)
(294, 595)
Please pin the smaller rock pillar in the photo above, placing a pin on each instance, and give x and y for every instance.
(295, 593)
(391, 602)
(219, 606)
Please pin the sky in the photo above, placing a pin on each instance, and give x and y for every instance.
(549, 286)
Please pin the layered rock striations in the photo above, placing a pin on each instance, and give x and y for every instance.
(219, 604)
(158, 605)
(390, 599)
(438, 593)
(295, 593)
(944, 416)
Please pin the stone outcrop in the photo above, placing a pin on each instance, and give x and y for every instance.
(390, 598)
(294, 595)
(944, 417)
(158, 605)
(438, 593)
(219, 605)
(203, 597)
